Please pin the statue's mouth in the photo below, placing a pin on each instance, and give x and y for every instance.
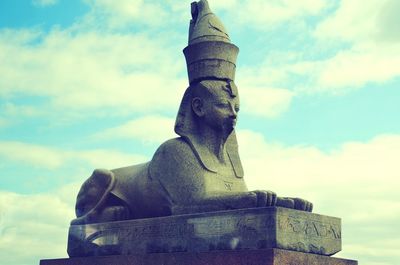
(231, 123)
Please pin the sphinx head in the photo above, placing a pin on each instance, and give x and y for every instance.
(210, 104)
(215, 105)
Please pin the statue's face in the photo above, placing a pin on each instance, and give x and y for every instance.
(220, 110)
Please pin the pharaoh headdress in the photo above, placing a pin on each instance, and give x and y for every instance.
(209, 56)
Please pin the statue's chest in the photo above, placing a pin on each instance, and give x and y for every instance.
(214, 182)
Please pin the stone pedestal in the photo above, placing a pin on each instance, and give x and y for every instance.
(256, 236)
(243, 257)
(245, 229)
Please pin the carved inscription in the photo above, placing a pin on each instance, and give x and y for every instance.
(228, 185)
(162, 230)
(250, 229)
(231, 224)
(309, 227)
(133, 232)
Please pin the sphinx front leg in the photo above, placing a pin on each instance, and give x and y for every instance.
(302, 205)
(113, 213)
(285, 202)
(294, 203)
(113, 209)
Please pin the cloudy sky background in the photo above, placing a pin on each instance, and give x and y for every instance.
(97, 83)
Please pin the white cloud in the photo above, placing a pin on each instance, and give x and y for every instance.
(258, 13)
(31, 154)
(269, 71)
(121, 13)
(91, 71)
(348, 69)
(260, 88)
(21, 37)
(149, 129)
(353, 163)
(358, 67)
(97, 73)
(357, 182)
(53, 158)
(34, 227)
(265, 102)
(80, 70)
(44, 3)
(263, 14)
(361, 21)
(373, 52)
(250, 13)
(103, 158)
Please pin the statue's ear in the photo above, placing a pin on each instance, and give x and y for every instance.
(197, 106)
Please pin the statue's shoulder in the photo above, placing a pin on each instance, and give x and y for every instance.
(177, 169)
(175, 148)
(174, 155)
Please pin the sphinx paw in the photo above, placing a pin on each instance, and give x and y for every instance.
(265, 198)
(114, 213)
(302, 205)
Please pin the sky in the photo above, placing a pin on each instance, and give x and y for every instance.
(88, 84)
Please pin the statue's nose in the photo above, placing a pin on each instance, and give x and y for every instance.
(233, 111)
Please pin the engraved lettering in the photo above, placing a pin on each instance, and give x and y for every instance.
(228, 185)
(309, 227)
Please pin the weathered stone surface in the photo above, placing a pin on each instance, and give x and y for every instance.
(200, 171)
(256, 228)
(245, 257)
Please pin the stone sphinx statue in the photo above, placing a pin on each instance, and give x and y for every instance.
(199, 171)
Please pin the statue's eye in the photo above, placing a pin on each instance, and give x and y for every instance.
(237, 108)
(222, 105)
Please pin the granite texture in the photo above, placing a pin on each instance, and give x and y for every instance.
(190, 204)
(200, 171)
(256, 228)
(245, 257)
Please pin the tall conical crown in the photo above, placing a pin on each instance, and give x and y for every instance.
(210, 54)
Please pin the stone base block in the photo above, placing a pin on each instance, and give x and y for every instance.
(243, 257)
(245, 229)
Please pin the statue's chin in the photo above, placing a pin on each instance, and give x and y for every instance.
(224, 129)
(228, 130)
